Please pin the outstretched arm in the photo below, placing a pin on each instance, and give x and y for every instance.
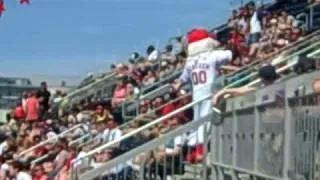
(185, 77)
(233, 92)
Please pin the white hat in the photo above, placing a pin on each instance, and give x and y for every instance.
(4, 167)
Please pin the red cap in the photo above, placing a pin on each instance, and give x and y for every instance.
(197, 35)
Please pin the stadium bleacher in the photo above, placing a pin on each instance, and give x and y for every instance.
(115, 126)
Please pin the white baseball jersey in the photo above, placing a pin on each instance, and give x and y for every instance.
(201, 70)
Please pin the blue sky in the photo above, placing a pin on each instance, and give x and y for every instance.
(74, 37)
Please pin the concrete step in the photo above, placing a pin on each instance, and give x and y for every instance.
(186, 176)
(194, 168)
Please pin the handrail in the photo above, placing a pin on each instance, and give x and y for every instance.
(314, 53)
(271, 56)
(160, 81)
(148, 146)
(88, 86)
(306, 17)
(281, 69)
(51, 139)
(152, 92)
(79, 139)
(277, 63)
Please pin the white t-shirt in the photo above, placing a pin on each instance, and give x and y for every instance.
(255, 24)
(177, 141)
(77, 162)
(201, 70)
(3, 147)
(80, 117)
(154, 55)
(24, 103)
(23, 176)
(111, 135)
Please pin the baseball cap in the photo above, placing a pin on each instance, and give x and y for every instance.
(268, 73)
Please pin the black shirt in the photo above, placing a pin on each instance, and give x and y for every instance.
(46, 97)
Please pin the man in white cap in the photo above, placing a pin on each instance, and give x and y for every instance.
(201, 70)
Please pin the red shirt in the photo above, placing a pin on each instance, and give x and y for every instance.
(41, 177)
(32, 109)
(19, 113)
(40, 151)
(167, 109)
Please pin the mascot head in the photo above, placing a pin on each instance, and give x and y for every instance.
(200, 40)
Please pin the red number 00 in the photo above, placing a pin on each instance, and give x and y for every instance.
(199, 77)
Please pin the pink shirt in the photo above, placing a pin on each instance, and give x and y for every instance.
(120, 92)
(119, 95)
(32, 109)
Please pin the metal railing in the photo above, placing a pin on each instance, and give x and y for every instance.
(305, 51)
(161, 81)
(141, 164)
(286, 50)
(306, 24)
(91, 89)
(52, 139)
(271, 133)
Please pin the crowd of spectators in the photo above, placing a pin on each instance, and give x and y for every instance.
(34, 120)
(255, 34)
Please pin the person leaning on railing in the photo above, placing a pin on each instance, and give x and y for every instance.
(268, 75)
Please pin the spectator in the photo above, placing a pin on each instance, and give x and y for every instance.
(316, 86)
(102, 114)
(39, 174)
(24, 100)
(113, 67)
(149, 78)
(167, 108)
(132, 65)
(62, 155)
(133, 91)
(168, 55)
(120, 93)
(268, 75)
(232, 22)
(255, 23)
(6, 145)
(168, 158)
(57, 97)
(33, 107)
(112, 132)
(44, 96)
(17, 171)
(19, 113)
(182, 45)
(243, 21)
(135, 56)
(186, 115)
(153, 54)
